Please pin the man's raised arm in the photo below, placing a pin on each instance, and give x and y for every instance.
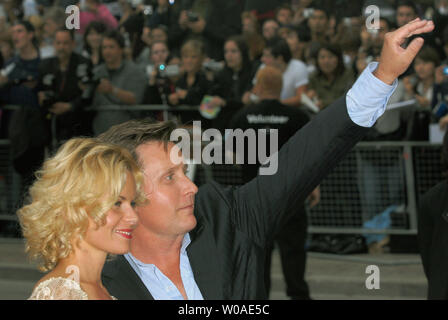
(319, 146)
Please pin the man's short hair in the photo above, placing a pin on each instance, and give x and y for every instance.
(134, 133)
(71, 32)
(279, 47)
(26, 24)
(407, 3)
(55, 14)
(318, 5)
(429, 54)
(116, 36)
(270, 81)
(29, 28)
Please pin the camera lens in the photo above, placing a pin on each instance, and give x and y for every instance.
(445, 71)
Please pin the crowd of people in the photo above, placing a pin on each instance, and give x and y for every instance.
(212, 54)
(181, 52)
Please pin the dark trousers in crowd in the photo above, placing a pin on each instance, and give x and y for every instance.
(291, 243)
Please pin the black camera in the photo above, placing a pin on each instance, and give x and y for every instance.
(192, 17)
(49, 99)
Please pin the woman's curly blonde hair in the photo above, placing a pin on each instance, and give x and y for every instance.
(82, 180)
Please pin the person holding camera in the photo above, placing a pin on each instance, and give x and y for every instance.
(421, 88)
(213, 21)
(62, 84)
(193, 85)
(24, 125)
(118, 82)
(160, 72)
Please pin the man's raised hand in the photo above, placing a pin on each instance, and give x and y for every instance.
(394, 59)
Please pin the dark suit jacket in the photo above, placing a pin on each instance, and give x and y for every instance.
(433, 239)
(234, 223)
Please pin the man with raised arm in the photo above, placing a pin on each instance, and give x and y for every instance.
(209, 244)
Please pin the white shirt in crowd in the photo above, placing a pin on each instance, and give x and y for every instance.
(295, 75)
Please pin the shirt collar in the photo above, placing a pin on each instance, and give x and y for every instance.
(185, 243)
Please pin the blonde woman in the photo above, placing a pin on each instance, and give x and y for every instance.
(82, 208)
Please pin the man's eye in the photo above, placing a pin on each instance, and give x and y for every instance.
(133, 204)
(170, 177)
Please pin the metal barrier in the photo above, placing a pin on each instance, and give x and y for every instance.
(372, 177)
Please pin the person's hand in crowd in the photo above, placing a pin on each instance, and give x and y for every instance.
(173, 99)
(217, 102)
(31, 83)
(60, 108)
(394, 59)
(422, 101)
(181, 93)
(408, 85)
(246, 98)
(183, 19)
(146, 36)
(314, 197)
(41, 97)
(443, 122)
(439, 76)
(153, 76)
(366, 38)
(104, 87)
(197, 26)
(313, 96)
(298, 17)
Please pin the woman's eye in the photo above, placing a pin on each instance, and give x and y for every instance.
(133, 204)
(117, 204)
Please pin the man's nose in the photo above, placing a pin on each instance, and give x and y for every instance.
(190, 187)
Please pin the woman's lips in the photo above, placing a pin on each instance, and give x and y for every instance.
(125, 233)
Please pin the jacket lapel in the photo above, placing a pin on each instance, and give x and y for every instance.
(445, 209)
(204, 261)
(132, 287)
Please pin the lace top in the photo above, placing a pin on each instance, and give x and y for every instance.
(59, 289)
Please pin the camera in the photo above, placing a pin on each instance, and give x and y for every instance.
(164, 71)
(171, 70)
(49, 100)
(192, 17)
(213, 65)
(148, 10)
(308, 12)
(445, 71)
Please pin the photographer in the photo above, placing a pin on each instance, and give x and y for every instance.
(131, 26)
(118, 82)
(160, 72)
(18, 86)
(62, 84)
(193, 84)
(214, 21)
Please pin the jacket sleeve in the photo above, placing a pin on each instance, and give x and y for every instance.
(261, 204)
